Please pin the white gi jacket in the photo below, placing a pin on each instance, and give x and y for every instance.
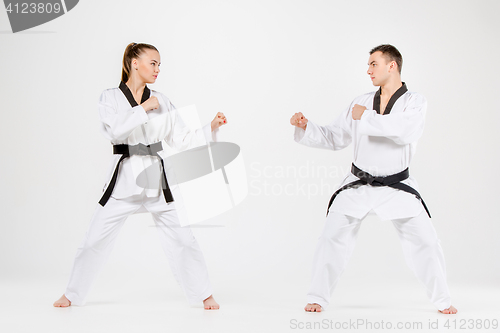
(383, 145)
(123, 124)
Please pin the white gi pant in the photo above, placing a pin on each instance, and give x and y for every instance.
(421, 247)
(183, 252)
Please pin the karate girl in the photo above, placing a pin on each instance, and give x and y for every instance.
(136, 119)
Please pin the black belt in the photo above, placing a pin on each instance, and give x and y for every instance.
(393, 181)
(139, 149)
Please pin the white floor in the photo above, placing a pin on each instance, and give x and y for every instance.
(26, 306)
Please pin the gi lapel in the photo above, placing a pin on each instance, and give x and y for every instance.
(126, 91)
(390, 104)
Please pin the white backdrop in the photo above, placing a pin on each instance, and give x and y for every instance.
(258, 62)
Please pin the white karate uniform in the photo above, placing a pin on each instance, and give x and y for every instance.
(383, 145)
(123, 124)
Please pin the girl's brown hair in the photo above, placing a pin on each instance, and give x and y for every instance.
(133, 50)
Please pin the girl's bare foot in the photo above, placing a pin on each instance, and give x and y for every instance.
(314, 307)
(210, 303)
(450, 310)
(62, 302)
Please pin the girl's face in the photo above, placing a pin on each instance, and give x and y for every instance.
(148, 66)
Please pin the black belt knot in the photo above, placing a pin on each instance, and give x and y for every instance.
(379, 181)
(374, 181)
(138, 149)
(393, 181)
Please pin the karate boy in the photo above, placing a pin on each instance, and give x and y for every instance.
(384, 127)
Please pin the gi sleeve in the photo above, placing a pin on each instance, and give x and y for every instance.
(336, 135)
(402, 127)
(181, 137)
(117, 125)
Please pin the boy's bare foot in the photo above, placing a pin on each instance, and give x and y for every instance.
(62, 302)
(314, 307)
(210, 303)
(450, 310)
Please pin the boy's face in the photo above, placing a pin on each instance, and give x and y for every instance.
(378, 68)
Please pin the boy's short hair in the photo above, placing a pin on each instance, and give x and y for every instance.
(390, 53)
